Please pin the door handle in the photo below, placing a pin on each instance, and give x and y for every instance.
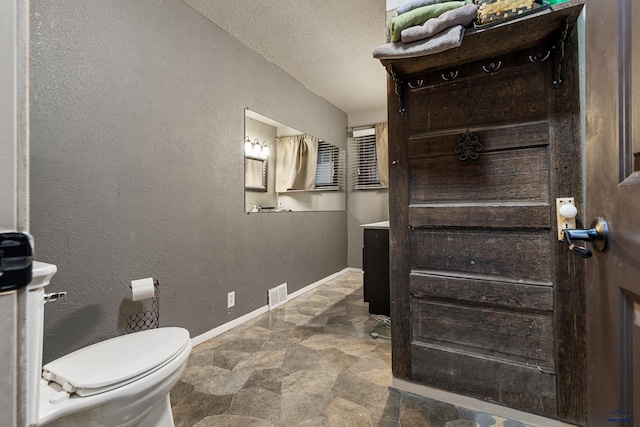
(597, 235)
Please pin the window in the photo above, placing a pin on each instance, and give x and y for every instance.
(327, 167)
(331, 168)
(364, 169)
(305, 163)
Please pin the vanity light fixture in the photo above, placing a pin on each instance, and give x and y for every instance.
(255, 148)
(248, 146)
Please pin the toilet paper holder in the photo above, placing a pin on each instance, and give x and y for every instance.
(148, 319)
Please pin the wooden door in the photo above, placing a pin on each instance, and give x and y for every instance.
(486, 302)
(613, 192)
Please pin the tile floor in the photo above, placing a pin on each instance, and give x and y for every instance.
(310, 362)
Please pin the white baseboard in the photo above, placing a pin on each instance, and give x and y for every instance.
(229, 325)
(315, 284)
(264, 309)
(475, 404)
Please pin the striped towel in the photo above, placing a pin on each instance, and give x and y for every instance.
(448, 39)
(461, 16)
(414, 4)
(419, 16)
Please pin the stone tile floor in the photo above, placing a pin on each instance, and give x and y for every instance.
(310, 362)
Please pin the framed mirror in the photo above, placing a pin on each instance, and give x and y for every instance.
(255, 174)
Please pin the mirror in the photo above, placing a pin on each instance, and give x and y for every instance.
(255, 174)
(287, 170)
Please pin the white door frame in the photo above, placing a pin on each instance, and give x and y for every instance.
(14, 115)
(14, 197)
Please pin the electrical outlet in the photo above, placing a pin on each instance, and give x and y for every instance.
(231, 299)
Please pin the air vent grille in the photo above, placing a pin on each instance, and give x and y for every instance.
(277, 296)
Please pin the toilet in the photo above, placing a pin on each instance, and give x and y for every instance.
(123, 381)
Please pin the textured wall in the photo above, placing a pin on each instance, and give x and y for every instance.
(137, 122)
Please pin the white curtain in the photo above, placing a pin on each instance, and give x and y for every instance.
(296, 161)
(382, 153)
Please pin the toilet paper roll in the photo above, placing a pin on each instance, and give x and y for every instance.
(142, 289)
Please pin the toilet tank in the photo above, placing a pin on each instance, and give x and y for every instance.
(41, 276)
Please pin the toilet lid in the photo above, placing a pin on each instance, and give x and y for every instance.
(117, 361)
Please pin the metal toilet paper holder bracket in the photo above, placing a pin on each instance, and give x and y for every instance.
(149, 319)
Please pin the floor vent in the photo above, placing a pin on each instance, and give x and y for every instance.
(277, 296)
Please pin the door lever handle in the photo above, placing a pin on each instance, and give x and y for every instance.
(597, 235)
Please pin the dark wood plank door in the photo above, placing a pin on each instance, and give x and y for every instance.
(486, 302)
(613, 192)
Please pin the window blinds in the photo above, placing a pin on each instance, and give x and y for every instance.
(363, 168)
(330, 169)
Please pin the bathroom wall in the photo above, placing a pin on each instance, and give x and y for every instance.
(137, 128)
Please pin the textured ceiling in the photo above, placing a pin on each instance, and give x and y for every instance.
(326, 45)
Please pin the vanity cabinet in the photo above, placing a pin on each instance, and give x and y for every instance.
(375, 266)
(485, 301)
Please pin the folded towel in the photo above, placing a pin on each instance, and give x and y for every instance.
(461, 16)
(448, 39)
(414, 4)
(419, 16)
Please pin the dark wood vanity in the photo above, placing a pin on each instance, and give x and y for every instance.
(375, 267)
(485, 301)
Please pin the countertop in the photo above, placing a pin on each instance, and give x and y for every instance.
(383, 224)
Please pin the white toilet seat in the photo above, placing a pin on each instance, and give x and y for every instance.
(119, 392)
(115, 362)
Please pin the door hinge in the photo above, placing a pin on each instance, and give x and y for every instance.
(398, 87)
(559, 49)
